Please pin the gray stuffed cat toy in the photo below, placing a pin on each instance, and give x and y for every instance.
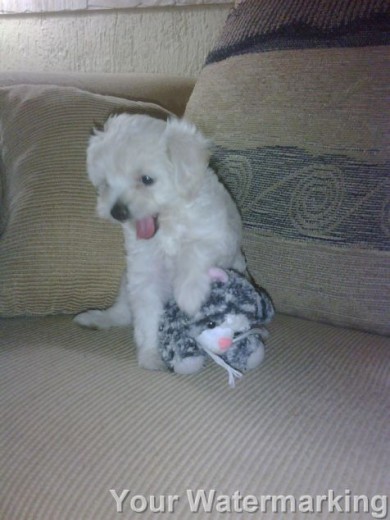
(229, 328)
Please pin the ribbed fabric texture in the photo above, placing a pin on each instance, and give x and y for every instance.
(301, 135)
(264, 25)
(170, 92)
(80, 418)
(56, 255)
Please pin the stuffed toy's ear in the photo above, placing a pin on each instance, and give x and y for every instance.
(188, 151)
(217, 274)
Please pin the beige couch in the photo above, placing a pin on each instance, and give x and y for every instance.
(79, 418)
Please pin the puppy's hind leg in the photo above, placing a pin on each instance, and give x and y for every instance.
(147, 311)
(119, 315)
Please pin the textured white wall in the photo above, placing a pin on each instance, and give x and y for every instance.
(45, 6)
(171, 40)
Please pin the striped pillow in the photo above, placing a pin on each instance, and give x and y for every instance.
(56, 255)
(295, 96)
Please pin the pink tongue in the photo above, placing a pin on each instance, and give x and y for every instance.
(146, 227)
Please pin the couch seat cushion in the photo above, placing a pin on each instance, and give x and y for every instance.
(80, 418)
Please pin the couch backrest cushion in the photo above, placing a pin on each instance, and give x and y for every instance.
(295, 96)
(56, 255)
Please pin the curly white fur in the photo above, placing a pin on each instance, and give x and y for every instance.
(179, 220)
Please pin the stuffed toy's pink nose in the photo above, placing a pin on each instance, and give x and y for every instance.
(224, 343)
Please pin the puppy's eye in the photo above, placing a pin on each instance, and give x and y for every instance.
(146, 180)
(211, 324)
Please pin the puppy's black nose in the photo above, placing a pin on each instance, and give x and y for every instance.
(120, 212)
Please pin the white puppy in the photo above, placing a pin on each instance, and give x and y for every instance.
(177, 218)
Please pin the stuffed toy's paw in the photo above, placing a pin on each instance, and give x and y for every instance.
(178, 349)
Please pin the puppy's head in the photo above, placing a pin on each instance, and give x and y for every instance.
(144, 167)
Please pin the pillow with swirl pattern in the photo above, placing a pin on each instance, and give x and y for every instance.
(295, 96)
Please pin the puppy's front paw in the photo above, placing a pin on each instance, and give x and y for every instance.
(150, 359)
(93, 320)
(191, 294)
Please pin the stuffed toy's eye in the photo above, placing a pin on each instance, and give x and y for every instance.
(146, 180)
(211, 324)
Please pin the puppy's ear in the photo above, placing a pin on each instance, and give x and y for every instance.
(189, 153)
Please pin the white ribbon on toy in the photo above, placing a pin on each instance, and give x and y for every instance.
(233, 373)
